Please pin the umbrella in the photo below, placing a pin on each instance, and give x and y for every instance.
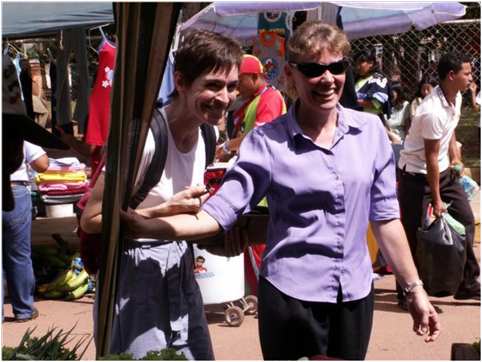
(374, 18)
(239, 19)
(27, 19)
(359, 19)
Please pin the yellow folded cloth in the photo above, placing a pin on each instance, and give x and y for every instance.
(61, 177)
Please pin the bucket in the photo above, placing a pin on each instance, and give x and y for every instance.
(220, 279)
(59, 210)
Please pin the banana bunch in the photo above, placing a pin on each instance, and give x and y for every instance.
(51, 259)
(71, 283)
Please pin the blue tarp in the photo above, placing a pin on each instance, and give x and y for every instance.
(27, 19)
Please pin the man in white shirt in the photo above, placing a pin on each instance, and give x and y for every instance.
(430, 165)
(16, 236)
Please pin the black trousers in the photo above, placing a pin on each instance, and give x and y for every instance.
(290, 328)
(414, 196)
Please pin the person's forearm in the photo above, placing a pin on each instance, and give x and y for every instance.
(155, 211)
(433, 178)
(180, 227)
(393, 243)
(454, 151)
(82, 148)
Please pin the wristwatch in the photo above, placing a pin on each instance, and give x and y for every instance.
(410, 287)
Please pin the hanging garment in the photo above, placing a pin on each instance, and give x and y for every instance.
(99, 102)
(73, 41)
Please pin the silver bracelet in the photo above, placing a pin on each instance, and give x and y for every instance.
(410, 287)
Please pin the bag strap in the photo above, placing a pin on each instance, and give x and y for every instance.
(156, 167)
(209, 137)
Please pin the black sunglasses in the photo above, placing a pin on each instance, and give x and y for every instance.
(312, 70)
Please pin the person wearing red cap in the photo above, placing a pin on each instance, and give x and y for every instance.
(262, 104)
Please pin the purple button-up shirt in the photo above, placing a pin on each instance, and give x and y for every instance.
(320, 201)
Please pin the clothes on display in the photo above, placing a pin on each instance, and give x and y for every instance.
(65, 181)
(72, 40)
(99, 101)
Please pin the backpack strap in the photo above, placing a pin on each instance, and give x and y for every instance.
(209, 137)
(156, 167)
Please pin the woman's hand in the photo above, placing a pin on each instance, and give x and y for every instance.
(188, 201)
(425, 318)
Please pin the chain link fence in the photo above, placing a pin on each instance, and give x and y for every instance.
(415, 54)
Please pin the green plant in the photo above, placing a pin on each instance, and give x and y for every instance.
(51, 346)
(167, 354)
(476, 346)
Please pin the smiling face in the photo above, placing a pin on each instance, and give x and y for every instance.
(322, 93)
(209, 96)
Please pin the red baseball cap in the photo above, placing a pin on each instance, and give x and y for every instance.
(251, 65)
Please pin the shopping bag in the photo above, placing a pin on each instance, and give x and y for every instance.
(441, 254)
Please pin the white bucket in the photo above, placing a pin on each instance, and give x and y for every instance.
(59, 210)
(220, 279)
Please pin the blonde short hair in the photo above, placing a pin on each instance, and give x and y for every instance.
(313, 36)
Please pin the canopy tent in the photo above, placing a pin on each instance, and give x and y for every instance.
(359, 19)
(375, 18)
(31, 19)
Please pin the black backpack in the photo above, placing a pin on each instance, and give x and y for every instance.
(154, 172)
(90, 244)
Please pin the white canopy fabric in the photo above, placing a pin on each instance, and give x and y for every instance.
(375, 18)
(359, 19)
(27, 19)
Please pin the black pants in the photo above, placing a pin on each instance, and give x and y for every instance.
(414, 196)
(290, 328)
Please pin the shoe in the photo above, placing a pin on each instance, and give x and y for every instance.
(463, 294)
(32, 317)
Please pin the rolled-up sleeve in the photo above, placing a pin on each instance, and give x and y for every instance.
(383, 199)
(245, 184)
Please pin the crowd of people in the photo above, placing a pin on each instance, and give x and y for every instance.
(324, 170)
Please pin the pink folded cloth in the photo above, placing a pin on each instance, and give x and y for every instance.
(75, 192)
(70, 168)
(47, 186)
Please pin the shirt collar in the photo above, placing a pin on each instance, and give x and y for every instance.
(444, 101)
(346, 120)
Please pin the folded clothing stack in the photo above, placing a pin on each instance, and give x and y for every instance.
(64, 182)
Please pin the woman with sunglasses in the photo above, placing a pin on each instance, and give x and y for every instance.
(326, 171)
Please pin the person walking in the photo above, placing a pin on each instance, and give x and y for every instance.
(159, 304)
(431, 164)
(17, 236)
(326, 171)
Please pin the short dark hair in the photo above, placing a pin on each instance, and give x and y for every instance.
(204, 51)
(451, 62)
(365, 55)
(426, 79)
(200, 258)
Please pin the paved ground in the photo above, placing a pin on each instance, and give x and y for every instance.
(392, 336)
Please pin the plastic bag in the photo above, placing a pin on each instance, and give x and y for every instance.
(441, 255)
(470, 186)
